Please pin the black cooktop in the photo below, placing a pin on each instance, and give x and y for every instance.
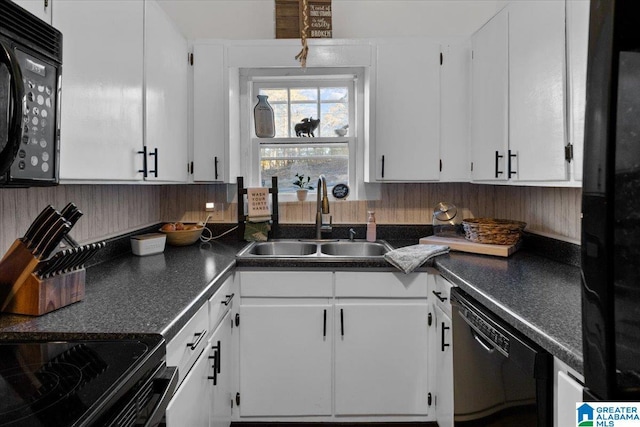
(70, 383)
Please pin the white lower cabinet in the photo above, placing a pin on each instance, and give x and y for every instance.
(190, 406)
(285, 359)
(381, 358)
(220, 350)
(443, 368)
(205, 365)
(336, 345)
(568, 388)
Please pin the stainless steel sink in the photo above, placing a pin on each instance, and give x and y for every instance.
(315, 250)
(283, 248)
(354, 249)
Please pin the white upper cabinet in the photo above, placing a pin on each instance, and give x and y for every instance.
(407, 111)
(455, 111)
(577, 47)
(39, 8)
(210, 160)
(489, 99)
(112, 75)
(102, 104)
(166, 70)
(519, 111)
(536, 91)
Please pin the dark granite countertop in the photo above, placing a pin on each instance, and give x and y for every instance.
(129, 295)
(537, 296)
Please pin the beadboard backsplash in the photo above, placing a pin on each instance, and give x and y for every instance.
(115, 209)
(549, 211)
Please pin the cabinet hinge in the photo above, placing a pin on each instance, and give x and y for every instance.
(440, 165)
(429, 319)
(471, 166)
(471, 54)
(190, 168)
(237, 399)
(46, 4)
(568, 152)
(429, 399)
(237, 319)
(441, 58)
(190, 58)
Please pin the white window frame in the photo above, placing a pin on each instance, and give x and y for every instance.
(251, 78)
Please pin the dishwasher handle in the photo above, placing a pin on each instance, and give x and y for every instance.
(477, 332)
(483, 343)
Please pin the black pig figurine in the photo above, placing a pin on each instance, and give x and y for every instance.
(307, 127)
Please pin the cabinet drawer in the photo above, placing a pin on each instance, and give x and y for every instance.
(381, 285)
(184, 348)
(441, 293)
(220, 303)
(297, 284)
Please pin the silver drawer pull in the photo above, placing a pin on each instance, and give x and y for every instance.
(198, 336)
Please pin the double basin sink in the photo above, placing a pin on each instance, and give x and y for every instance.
(316, 249)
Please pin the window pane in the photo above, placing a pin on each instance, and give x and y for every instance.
(285, 161)
(304, 94)
(301, 111)
(334, 94)
(280, 112)
(275, 95)
(333, 116)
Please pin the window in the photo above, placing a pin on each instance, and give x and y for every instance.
(298, 100)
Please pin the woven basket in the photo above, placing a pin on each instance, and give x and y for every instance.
(493, 231)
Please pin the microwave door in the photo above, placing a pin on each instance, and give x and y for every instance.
(11, 107)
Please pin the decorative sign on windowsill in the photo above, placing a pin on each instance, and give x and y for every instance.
(290, 19)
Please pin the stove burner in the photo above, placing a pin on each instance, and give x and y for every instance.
(64, 383)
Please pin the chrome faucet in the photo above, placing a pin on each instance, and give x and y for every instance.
(323, 218)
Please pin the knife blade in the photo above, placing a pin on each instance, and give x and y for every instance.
(51, 238)
(36, 224)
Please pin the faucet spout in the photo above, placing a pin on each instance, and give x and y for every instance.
(323, 216)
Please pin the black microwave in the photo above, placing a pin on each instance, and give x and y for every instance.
(30, 89)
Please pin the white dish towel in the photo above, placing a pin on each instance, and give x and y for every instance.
(409, 258)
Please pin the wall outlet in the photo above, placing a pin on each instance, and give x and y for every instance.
(216, 210)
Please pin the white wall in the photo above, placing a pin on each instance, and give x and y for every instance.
(255, 19)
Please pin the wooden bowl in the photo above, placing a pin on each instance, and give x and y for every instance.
(184, 237)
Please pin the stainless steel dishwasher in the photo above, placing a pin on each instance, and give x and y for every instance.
(500, 377)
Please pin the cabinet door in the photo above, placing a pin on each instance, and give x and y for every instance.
(285, 360)
(568, 393)
(209, 113)
(101, 118)
(166, 68)
(536, 90)
(577, 45)
(455, 112)
(443, 368)
(489, 99)
(191, 403)
(220, 348)
(381, 358)
(39, 8)
(407, 116)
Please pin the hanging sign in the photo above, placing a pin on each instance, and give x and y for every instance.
(290, 22)
(319, 15)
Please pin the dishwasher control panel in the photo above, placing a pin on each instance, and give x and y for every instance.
(488, 332)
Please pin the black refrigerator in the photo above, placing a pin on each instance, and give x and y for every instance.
(611, 204)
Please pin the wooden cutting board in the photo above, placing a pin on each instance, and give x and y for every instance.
(464, 245)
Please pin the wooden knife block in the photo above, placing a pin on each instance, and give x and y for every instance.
(22, 292)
